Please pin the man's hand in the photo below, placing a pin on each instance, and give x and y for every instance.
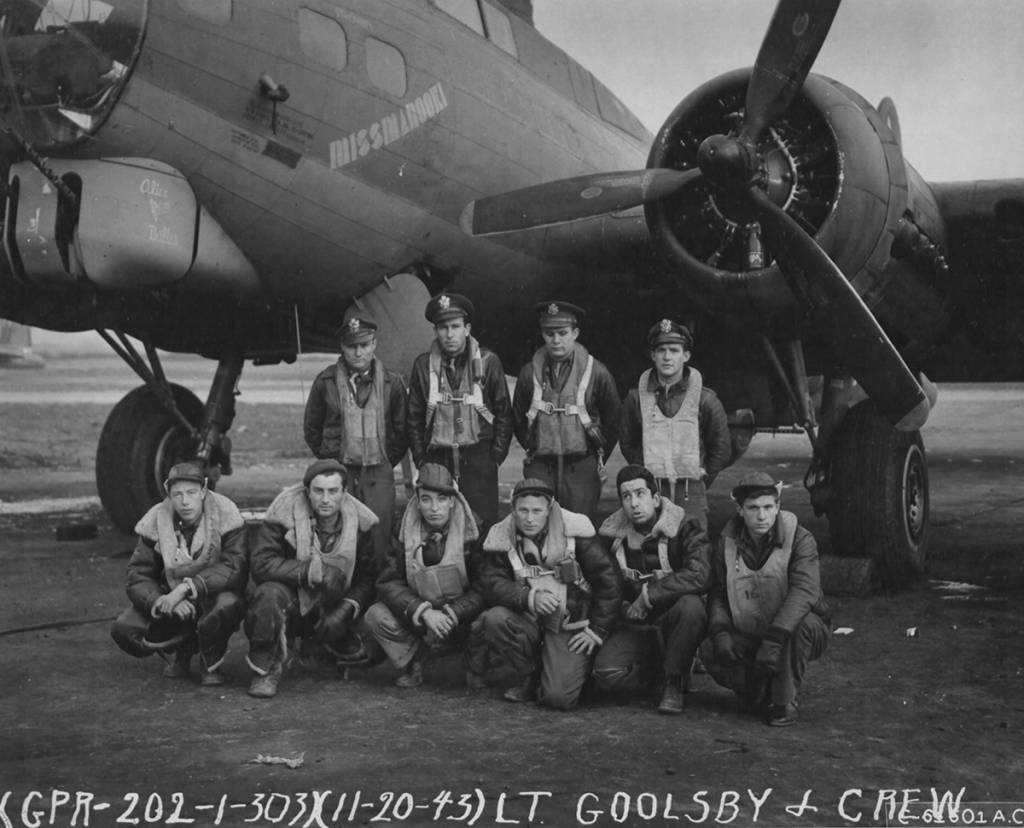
(768, 658)
(184, 611)
(332, 586)
(637, 611)
(438, 622)
(333, 626)
(165, 604)
(545, 602)
(727, 650)
(582, 643)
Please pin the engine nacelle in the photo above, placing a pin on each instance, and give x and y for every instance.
(835, 165)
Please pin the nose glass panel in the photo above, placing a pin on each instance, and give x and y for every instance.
(63, 64)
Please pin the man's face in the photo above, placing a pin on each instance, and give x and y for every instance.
(359, 356)
(187, 499)
(531, 514)
(640, 503)
(669, 360)
(759, 514)
(451, 335)
(559, 341)
(435, 508)
(325, 492)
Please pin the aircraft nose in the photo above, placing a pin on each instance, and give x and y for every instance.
(62, 66)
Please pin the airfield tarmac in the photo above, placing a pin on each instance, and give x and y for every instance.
(887, 718)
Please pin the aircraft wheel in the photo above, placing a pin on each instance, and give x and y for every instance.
(139, 443)
(879, 495)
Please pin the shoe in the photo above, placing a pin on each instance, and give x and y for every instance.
(265, 686)
(524, 691)
(782, 715)
(474, 681)
(212, 678)
(672, 699)
(178, 667)
(412, 677)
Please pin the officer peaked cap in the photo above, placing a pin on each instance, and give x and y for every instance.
(558, 314)
(667, 332)
(356, 330)
(447, 306)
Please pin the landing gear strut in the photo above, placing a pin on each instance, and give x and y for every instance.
(157, 425)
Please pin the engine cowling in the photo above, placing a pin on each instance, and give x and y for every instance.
(832, 162)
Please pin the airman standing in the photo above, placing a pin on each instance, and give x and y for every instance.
(356, 414)
(460, 414)
(566, 411)
(673, 424)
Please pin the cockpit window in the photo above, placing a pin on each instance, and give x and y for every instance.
(465, 11)
(63, 63)
(499, 29)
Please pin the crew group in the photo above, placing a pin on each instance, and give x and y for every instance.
(541, 595)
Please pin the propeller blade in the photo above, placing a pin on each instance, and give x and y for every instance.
(570, 199)
(790, 46)
(842, 319)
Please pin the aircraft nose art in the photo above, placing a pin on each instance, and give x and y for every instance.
(63, 64)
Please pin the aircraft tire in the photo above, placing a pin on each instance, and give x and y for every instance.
(139, 443)
(879, 501)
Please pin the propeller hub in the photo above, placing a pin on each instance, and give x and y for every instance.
(728, 162)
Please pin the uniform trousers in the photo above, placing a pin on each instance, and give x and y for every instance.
(806, 644)
(628, 659)
(374, 487)
(579, 489)
(477, 474)
(219, 616)
(274, 616)
(517, 636)
(400, 642)
(689, 493)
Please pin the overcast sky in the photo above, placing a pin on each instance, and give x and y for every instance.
(955, 68)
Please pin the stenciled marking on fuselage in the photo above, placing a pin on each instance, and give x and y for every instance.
(389, 128)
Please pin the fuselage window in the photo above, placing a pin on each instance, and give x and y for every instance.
(499, 29)
(216, 11)
(465, 11)
(323, 39)
(386, 67)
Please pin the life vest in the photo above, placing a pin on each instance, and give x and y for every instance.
(183, 560)
(619, 527)
(561, 416)
(671, 445)
(363, 439)
(449, 426)
(446, 580)
(557, 570)
(291, 510)
(755, 595)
